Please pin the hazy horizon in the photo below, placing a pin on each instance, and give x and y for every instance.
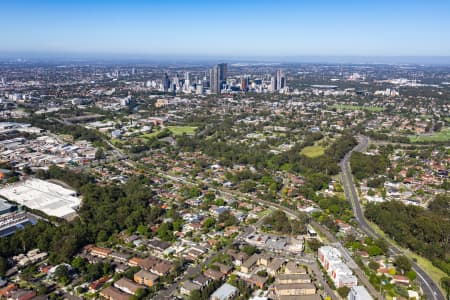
(155, 58)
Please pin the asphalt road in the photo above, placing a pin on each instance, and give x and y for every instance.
(429, 287)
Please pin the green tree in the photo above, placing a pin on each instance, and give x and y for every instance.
(249, 249)
(411, 275)
(445, 284)
(3, 266)
(374, 265)
(314, 244)
(165, 232)
(99, 154)
(374, 250)
(382, 244)
(195, 295)
(62, 274)
(143, 230)
(141, 293)
(343, 291)
(402, 264)
(79, 263)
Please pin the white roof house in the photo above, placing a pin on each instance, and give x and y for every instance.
(225, 292)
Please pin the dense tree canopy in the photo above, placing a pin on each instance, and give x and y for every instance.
(424, 231)
(364, 166)
(278, 221)
(105, 210)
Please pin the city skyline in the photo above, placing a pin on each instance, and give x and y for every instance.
(202, 29)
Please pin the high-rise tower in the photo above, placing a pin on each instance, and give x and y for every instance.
(214, 80)
(223, 70)
(280, 80)
(166, 82)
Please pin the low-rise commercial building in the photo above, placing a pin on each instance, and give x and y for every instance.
(359, 293)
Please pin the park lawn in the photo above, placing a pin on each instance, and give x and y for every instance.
(180, 130)
(149, 135)
(442, 136)
(313, 151)
(357, 107)
(435, 273)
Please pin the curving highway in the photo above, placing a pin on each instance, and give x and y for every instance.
(429, 287)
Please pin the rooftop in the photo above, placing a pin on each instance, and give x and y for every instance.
(52, 199)
(224, 292)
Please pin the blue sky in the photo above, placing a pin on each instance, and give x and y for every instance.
(230, 28)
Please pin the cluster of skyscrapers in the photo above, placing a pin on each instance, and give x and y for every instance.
(215, 81)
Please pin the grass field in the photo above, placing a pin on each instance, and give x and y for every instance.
(176, 130)
(442, 136)
(356, 107)
(313, 151)
(435, 273)
(179, 130)
(149, 135)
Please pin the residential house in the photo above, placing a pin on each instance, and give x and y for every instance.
(264, 260)
(94, 286)
(4, 292)
(225, 292)
(275, 266)
(295, 289)
(119, 257)
(255, 280)
(201, 280)
(162, 268)
(100, 252)
(22, 295)
(224, 269)
(120, 268)
(400, 280)
(249, 263)
(188, 287)
(238, 257)
(213, 274)
(158, 245)
(145, 263)
(128, 286)
(146, 278)
(112, 293)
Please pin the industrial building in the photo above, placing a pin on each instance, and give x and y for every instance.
(50, 198)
